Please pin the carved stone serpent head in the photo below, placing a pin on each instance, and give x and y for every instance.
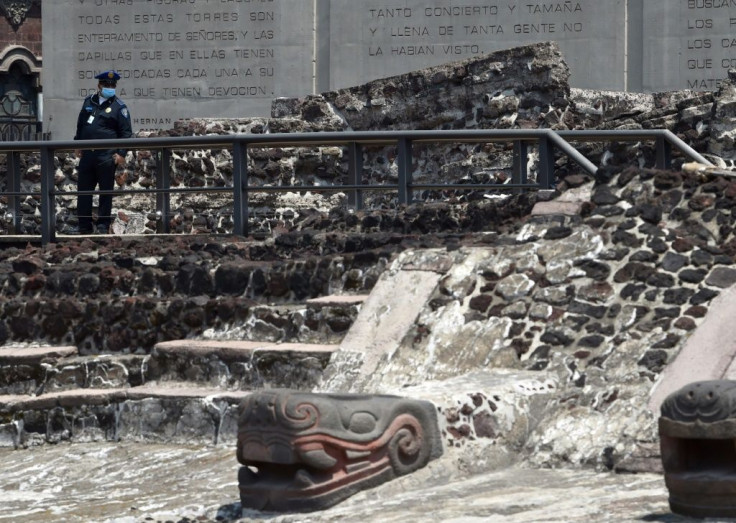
(304, 451)
(697, 431)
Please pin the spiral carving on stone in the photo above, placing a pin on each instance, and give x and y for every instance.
(268, 408)
(301, 415)
(407, 451)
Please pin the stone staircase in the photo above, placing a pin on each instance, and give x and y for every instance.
(317, 320)
(188, 391)
(40, 370)
(184, 391)
(123, 339)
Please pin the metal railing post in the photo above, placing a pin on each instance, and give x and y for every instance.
(14, 186)
(163, 182)
(520, 171)
(240, 188)
(664, 153)
(562, 145)
(355, 174)
(546, 171)
(677, 143)
(48, 212)
(404, 162)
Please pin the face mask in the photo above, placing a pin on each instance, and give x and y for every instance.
(107, 92)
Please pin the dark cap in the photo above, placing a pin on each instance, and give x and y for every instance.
(111, 76)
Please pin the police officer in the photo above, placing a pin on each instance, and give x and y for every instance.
(103, 116)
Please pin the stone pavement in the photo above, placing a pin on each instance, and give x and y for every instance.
(129, 482)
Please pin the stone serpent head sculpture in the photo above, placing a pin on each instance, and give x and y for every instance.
(697, 431)
(305, 451)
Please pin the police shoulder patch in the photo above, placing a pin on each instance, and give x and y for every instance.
(124, 112)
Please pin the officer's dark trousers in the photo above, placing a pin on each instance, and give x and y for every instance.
(95, 168)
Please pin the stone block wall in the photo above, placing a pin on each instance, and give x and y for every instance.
(27, 34)
(602, 301)
(125, 296)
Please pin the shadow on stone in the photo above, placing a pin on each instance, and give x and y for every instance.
(229, 512)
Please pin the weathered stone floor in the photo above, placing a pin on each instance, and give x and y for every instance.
(129, 482)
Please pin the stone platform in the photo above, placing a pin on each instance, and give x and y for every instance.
(187, 391)
(96, 482)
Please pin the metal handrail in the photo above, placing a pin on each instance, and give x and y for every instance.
(546, 140)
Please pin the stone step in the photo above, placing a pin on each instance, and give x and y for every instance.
(176, 413)
(318, 320)
(16, 355)
(332, 316)
(23, 369)
(485, 418)
(48, 375)
(91, 322)
(338, 301)
(240, 364)
(226, 364)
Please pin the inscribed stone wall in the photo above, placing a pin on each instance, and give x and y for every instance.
(177, 59)
(230, 58)
(688, 44)
(383, 41)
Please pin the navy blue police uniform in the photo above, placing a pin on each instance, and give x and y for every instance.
(100, 118)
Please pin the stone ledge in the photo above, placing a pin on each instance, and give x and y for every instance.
(314, 348)
(230, 350)
(184, 390)
(177, 413)
(344, 300)
(81, 397)
(100, 371)
(34, 355)
(240, 365)
(65, 398)
(486, 416)
(557, 207)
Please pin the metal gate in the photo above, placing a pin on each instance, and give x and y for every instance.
(18, 107)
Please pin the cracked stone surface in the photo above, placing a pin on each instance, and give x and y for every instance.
(108, 482)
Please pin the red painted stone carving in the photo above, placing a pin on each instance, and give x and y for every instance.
(697, 431)
(303, 451)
